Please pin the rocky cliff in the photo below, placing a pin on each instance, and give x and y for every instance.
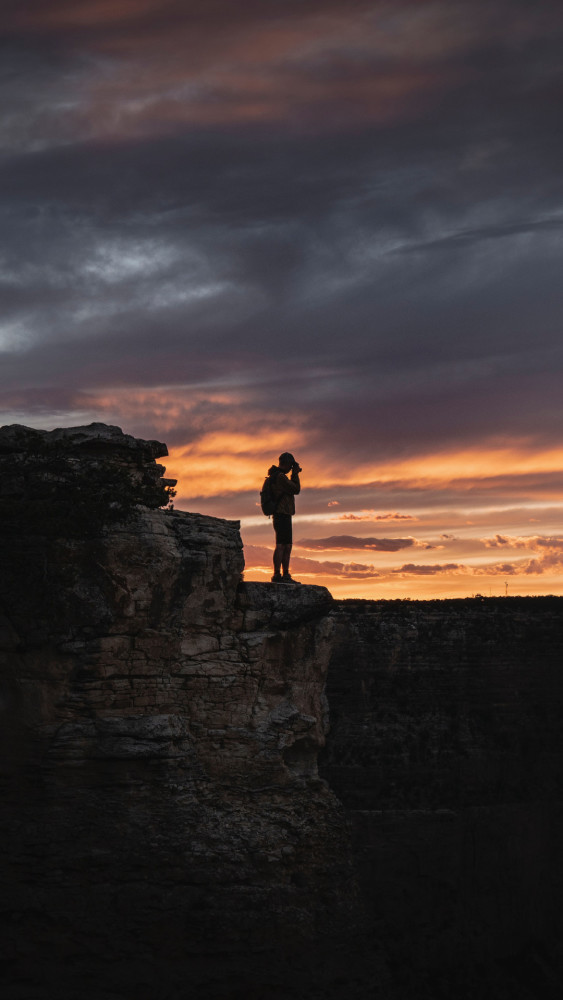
(163, 814)
(165, 832)
(446, 749)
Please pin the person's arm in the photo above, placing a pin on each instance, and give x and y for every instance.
(292, 486)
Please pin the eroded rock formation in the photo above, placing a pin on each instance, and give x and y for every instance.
(446, 749)
(162, 722)
(164, 829)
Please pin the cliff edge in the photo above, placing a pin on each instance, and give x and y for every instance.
(178, 820)
(163, 813)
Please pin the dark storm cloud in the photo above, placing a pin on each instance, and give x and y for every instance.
(481, 233)
(387, 228)
(411, 569)
(353, 542)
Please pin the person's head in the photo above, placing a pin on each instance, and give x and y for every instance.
(287, 461)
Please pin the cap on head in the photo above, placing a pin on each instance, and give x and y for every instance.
(287, 459)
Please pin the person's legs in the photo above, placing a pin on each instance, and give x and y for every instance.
(285, 557)
(282, 551)
(278, 557)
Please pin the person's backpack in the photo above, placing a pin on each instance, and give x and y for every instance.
(268, 502)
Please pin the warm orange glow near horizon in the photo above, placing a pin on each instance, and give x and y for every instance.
(433, 549)
(249, 456)
(481, 519)
(226, 462)
(426, 588)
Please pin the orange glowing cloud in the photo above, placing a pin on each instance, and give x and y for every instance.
(229, 461)
(459, 471)
(371, 515)
(549, 558)
(461, 466)
(537, 543)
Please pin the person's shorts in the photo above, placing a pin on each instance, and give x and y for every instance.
(283, 529)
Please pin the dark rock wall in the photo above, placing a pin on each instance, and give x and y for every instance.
(71, 481)
(446, 748)
(162, 816)
(166, 832)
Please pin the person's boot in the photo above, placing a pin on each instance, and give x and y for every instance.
(287, 578)
(277, 578)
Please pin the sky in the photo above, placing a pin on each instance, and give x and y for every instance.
(312, 226)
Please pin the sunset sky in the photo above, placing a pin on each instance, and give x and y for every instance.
(333, 228)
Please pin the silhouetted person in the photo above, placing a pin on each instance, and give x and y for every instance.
(284, 491)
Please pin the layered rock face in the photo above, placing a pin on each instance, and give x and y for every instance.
(163, 814)
(164, 832)
(74, 480)
(446, 748)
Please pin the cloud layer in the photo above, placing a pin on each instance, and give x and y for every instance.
(328, 228)
(345, 542)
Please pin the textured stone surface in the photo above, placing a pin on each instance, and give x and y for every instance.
(162, 805)
(446, 748)
(446, 703)
(74, 480)
(164, 832)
